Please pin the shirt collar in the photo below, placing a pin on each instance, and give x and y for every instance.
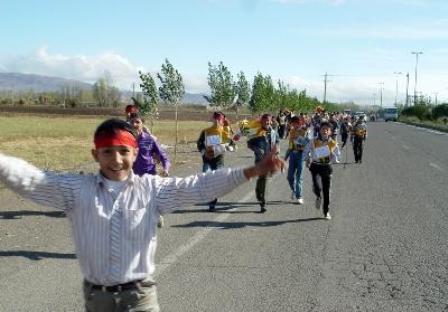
(100, 179)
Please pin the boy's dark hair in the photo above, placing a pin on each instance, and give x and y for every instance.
(295, 119)
(325, 123)
(218, 114)
(110, 126)
(265, 116)
(136, 116)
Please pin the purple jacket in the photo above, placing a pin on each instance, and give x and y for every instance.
(148, 148)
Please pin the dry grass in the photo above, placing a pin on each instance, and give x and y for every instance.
(64, 143)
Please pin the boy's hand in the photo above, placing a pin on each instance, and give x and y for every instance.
(209, 153)
(164, 173)
(270, 163)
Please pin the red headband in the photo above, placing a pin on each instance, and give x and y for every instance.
(119, 138)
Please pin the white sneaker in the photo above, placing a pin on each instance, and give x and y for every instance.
(318, 202)
(328, 216)
(293, 195)
(161, 222)
(300, 200)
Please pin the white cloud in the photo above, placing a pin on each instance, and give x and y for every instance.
(79, 67)
(89, 68)
(195, 83)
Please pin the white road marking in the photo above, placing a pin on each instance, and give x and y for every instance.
(424, 129)
(436, 166)
(172, 258)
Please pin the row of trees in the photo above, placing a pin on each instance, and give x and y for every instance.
(427, 112)
(263, 95)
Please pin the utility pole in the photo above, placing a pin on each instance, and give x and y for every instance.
(381, 94)
(325, 87)
(407, 90)
(133, 89)
(396, 87)
(417, 53)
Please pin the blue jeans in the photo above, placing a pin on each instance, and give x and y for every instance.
(295, 172)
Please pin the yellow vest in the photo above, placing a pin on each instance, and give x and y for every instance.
(297, 139)
(252, 128)
(216, 135)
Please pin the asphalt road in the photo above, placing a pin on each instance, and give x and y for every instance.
(385, 249)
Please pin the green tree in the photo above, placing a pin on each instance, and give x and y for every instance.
(171, 91)
(256, 99)
(220, 81)
(104, 93)
(242, 92)
(149, 104)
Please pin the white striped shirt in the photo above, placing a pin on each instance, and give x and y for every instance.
(115, 241)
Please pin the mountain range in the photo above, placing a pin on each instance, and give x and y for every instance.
(40, 83)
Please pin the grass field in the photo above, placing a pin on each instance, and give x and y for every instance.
(64, 143)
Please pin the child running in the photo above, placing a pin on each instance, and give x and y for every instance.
(319, 154)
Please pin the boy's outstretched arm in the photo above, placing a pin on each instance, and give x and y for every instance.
(45, 188)
(174, 193)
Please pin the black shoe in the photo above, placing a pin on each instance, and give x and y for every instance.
(262, 207)
(359, 161)
(212, 204)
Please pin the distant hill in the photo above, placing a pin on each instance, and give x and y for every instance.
(39, 83)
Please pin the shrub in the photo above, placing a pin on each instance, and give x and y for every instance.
(440, 111)
(419, 111)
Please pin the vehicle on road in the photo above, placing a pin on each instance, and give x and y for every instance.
(356, 115)
(390, 113)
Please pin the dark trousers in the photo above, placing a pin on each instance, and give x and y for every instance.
(321, 173)
(260, 189)
(344, 137)
(212, 164)
(357, 148)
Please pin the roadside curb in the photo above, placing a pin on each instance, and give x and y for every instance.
(422, 125)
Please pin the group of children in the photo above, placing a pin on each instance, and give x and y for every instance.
(312, 143)
(114, 212)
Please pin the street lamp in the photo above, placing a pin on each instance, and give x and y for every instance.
(396, 87)
(381, 94)
(417, 53)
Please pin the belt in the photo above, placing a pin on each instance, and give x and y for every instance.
(116, 288)
(320, 163)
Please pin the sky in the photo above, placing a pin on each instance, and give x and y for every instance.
(364, 46)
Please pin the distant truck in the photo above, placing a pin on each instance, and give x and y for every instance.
(390, 113)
